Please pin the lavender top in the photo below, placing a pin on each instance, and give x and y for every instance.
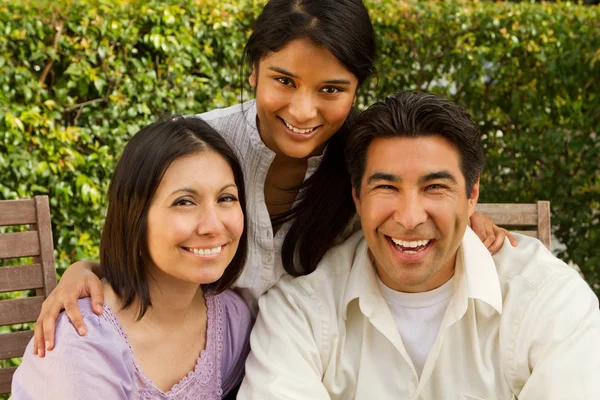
(101, 365)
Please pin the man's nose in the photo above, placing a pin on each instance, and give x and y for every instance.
(410, 211)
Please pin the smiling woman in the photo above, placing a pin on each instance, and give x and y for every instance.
(173, 242)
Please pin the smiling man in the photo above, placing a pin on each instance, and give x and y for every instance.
(415, 307)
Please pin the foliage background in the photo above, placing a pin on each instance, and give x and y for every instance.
(78, 78)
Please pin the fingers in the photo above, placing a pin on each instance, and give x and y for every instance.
(511, 238)
(488, 231)
(38, 340)
(74, 314)
(94, 288)
(498, 242)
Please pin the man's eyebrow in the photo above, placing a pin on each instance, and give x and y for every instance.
(330, 81)
(444, 175)
(383, 176)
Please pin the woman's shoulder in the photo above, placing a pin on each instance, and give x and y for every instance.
(236, 324)
(236, 312)
(98, 363)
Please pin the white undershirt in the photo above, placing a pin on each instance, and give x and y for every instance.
(418, 317)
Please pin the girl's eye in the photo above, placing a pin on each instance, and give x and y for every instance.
(183, 202)
(229, 198)
(285, 81)
(332, 89)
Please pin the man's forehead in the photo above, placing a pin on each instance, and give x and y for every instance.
(412, 156)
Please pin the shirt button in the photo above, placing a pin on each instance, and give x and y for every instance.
(269, 257)
(280, 234)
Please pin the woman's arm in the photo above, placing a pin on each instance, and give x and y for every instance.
(79, 280)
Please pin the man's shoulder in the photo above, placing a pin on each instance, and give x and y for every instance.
(531, 263)
(532, 278)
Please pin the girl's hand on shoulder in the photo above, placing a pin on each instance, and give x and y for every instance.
(490, 234)
(77, 282)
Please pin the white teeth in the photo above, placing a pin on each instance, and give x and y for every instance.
(206, 252)
(296, 130)
(411, 244)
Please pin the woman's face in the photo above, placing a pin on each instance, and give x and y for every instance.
(303, 96)
(195, 219)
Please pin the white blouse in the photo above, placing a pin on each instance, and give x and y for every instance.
(263, 266)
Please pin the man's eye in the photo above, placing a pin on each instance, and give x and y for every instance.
(436, 186)
(386, 187)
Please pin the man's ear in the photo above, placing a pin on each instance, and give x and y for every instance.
(252, 79)
(474, 197)
(356, 201)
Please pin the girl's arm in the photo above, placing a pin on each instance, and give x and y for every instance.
(79, 280)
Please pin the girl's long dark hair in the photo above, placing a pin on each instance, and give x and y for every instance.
(325, 207)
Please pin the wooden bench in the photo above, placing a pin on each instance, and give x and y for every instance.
(39, 275)
(531, 219)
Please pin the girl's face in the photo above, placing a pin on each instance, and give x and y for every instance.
(195, 220)
(303, 96)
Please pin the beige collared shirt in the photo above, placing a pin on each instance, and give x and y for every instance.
(520, 325)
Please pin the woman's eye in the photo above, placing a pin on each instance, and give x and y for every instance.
(332, 89)
(228, 198)
(285, 81)
(183, 202)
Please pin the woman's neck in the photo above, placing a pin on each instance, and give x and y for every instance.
(173, 303)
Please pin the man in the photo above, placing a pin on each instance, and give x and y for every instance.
(418, 308)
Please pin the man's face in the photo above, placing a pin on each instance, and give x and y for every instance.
(414, 210)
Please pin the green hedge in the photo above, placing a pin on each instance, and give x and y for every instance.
(77, 80)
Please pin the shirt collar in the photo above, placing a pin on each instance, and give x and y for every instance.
(476, 277)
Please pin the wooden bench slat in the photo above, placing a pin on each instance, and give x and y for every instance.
(18, 311)
(13, 344)
(19, 244)
(510, 214)
(527, 233)
(6, 379)
(21, 277)
(17, 212)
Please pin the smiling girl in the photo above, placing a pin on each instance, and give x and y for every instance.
(308, 59)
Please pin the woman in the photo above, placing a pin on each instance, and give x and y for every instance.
(172, 244)
(308, 59)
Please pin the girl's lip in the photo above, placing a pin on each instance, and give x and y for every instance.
(299, 136)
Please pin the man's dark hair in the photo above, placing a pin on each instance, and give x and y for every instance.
(412, 115)
(123, 247)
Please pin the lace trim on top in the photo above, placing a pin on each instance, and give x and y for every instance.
(204, 381)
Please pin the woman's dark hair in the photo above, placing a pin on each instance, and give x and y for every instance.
(344, 28)
(413, 115)
(123, 247)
